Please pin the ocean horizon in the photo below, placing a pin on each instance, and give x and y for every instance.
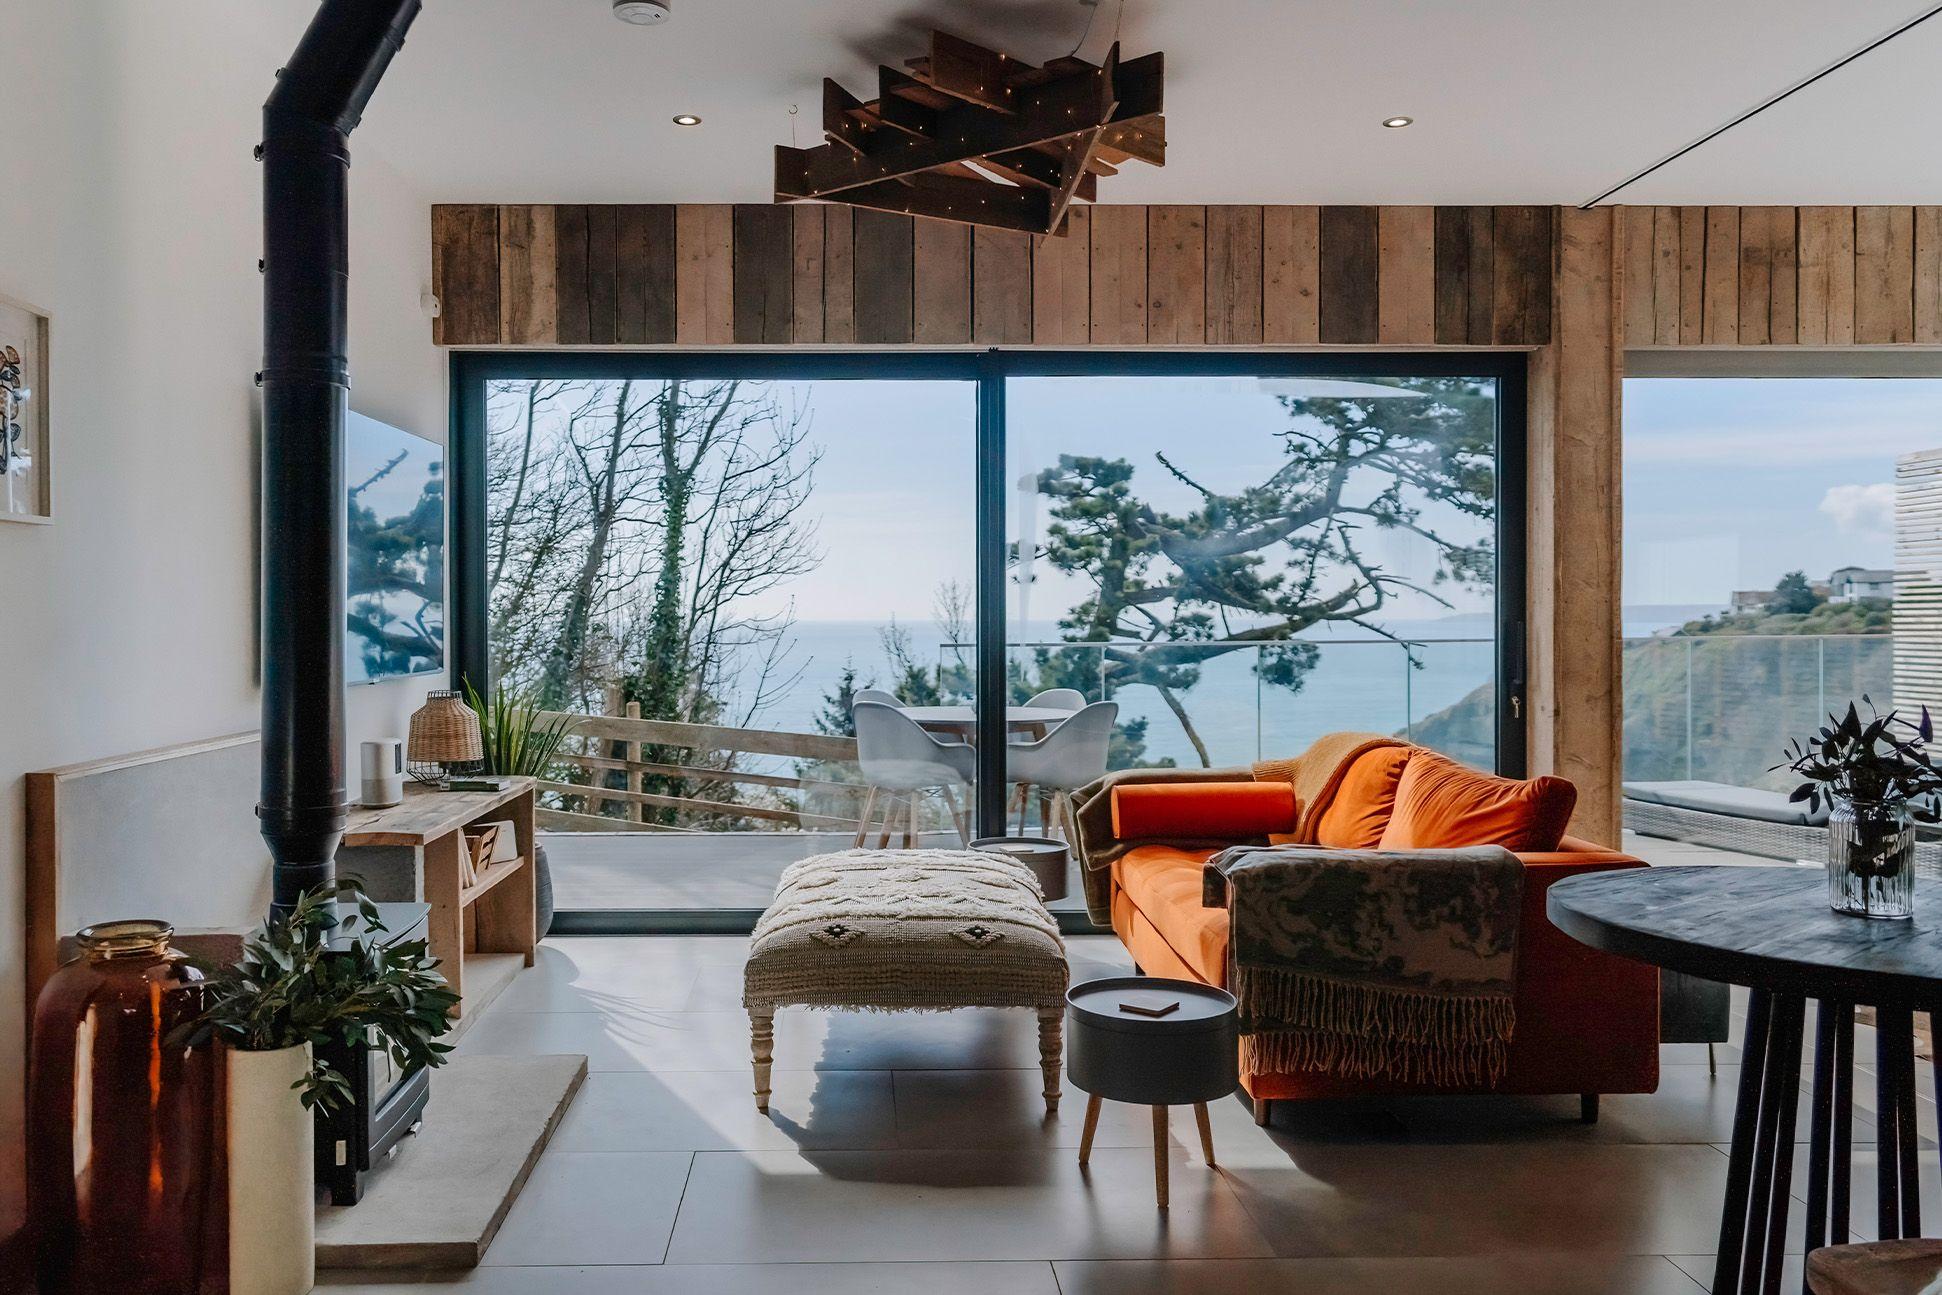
(1359, 681)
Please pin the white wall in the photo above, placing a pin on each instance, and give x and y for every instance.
(129, 208)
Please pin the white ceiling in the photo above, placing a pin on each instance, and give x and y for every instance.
(1546, 101)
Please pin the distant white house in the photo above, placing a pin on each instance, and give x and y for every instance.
(1851, 584)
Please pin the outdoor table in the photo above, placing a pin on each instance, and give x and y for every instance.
(1770, 929)
(963, 720)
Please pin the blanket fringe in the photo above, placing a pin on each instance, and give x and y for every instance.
(1298, 1021)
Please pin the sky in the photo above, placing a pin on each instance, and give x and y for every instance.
(1731, 483)
(893, 495)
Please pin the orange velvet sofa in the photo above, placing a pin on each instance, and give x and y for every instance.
(1587, 1022)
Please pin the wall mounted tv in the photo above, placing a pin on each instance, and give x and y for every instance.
(395, 572)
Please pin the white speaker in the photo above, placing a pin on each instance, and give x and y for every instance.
(382, 766)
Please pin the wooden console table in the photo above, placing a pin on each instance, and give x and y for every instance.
(483, 932)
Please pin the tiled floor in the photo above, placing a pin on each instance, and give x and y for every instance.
(912, 1154)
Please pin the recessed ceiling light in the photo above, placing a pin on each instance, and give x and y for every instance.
(1397, 123)
(686, 119)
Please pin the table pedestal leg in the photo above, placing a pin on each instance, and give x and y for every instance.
(1160, 1155)
(1900, 1202)
(1753, 1224)
(1828, 1022)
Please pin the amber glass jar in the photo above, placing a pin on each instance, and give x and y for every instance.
(125, 1176)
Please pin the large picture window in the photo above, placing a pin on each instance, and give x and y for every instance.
(1083, 562)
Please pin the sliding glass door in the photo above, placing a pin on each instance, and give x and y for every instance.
(709, 561)
(1244, 563)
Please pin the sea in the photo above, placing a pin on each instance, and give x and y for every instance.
(1358, 681)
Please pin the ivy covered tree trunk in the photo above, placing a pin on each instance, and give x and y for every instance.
(556, 676)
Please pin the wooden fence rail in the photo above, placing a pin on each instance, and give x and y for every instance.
(633, 734)
(709, 737)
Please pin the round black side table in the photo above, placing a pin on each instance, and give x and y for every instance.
(1771, 930)
(1152, 1042)
(1046, 856)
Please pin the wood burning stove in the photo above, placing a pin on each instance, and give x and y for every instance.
(386, 1104)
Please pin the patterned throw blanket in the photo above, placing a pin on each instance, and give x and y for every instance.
(1396, 964)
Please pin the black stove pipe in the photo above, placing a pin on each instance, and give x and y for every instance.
(307, 120)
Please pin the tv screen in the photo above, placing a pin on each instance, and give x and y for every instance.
(395, 573)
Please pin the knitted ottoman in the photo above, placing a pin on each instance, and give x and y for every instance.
(905, 931)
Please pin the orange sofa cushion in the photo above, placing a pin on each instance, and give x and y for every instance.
(1363, 803)
(1164, 885)
(1202, 810)
(1441, 804)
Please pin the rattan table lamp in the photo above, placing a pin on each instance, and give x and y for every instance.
(444, 739)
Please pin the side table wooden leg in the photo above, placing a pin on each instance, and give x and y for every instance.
(1092, 1126)
(1739, 1164)
(1206, 1132)
(761, 1036)
(1160, 1155)
(1051, 1023)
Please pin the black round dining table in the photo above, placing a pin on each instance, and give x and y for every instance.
(1771, 930)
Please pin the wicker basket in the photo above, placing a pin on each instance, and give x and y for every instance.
(444, 738)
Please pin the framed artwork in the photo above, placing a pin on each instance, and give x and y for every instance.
(26, 480)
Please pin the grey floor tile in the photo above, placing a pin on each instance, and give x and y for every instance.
(1700, 1269)
(996, 1278)
(1525, 1275)
(956, 1109)
(1413, 1200)
(1862, 1194)
(599, 1208)
(1690, 1106)
(862, 1206)
(714, 1110)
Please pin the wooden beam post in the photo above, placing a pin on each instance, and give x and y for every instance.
(1575, 699)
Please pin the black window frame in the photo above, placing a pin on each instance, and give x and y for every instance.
(988, 370)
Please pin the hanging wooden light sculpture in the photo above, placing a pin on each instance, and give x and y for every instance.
(973, 136)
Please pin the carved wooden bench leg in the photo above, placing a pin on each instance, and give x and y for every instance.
(1051, 1022)
(761, 1032)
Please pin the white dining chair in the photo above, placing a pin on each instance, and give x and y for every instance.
(1066, 699)
(1061, 762)
(1057, 699)
(902, 763)
(874, 694)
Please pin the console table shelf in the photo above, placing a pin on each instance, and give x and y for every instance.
(417, 850)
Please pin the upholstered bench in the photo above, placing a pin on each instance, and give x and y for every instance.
(907, 931)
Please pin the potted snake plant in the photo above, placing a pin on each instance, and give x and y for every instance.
(521, 742)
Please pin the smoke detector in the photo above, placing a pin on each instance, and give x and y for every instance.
(643, 13)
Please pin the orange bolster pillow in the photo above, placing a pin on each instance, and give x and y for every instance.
(1202, 810)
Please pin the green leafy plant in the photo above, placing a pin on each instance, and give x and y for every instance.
(290, 988)
(1879, 760)
(518, 739)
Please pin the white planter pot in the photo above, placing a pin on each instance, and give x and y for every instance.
(272, 1197)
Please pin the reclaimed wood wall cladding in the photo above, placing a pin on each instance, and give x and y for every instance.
(1177, 275)
(1782, 276)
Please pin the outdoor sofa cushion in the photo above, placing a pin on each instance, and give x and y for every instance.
(1721, 798)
